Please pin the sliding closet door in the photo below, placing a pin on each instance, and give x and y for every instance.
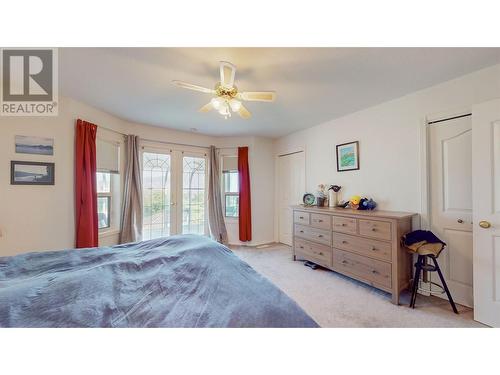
(158, 215)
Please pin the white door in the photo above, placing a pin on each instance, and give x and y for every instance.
(451, 203)
(192, 215)
(486, 189)
(159, 218)
(174, 193)
(291, 187)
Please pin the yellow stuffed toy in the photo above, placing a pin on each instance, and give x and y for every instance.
(354, 202)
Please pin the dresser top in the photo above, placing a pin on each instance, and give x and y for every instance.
(348, 211)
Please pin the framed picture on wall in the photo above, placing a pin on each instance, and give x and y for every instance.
(34, 145)
(348, 156)
(31, 173)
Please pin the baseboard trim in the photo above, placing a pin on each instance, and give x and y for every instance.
(253, 244)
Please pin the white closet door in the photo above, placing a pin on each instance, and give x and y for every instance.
(486, 189)
(291, 188)
(451, 203)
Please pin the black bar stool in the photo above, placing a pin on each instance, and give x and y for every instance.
(427, 251)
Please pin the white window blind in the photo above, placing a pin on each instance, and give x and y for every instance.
(229, 163)
(108, 156)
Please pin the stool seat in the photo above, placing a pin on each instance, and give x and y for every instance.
(425, 248)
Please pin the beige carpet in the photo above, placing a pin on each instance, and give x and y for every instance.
(333, 300)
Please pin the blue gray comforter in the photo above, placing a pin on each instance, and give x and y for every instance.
(179, 281)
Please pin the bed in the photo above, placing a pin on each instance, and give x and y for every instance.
(178, 281)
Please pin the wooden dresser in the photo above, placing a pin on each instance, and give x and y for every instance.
(364, 245)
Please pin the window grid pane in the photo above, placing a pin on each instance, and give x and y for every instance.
(232, 205)
(103, 214)
(231, 181)
(103, 181)
(193, 195)
(156, 195)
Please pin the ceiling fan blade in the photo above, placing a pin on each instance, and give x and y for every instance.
(227, 73)
(190, 86)
(258, 96)
(244, 113)
(207, 107)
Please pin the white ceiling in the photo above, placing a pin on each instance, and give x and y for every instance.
(313, 85)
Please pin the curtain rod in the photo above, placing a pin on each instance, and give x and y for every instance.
(165, 142)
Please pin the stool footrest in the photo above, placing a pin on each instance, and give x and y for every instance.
(430, 291)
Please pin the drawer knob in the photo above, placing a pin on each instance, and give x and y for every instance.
(301, 217)
(301, 231)
(344, 224)
(374, 248)
(344, 262)
(374, 229)
(320, 253)
(320, 221)
(320, 235)
(344, 241)
(374, 271)
(301, 247)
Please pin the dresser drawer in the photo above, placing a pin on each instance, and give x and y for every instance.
(363, 246)
(366, 269)
(375, 229)
(345, 224)
(319, 254)
(313, 234)
(321, 221)
(301, 217)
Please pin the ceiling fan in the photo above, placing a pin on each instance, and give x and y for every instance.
(227, 97)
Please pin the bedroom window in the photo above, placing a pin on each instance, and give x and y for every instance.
(230, 188)
(156, 195)
(231, 193)
(174, 192)
(103, 199)
(108, 185)
(193, 195)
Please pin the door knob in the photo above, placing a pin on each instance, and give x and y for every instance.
(484, 224)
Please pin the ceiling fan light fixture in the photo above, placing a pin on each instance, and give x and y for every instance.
(224, 110)
(235, 105)
(217, 102)
(227, 98)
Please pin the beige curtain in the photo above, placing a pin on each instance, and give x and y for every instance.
(131, 229)
(215, 214)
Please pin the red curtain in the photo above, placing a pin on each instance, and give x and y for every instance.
(85, 185)
(245, 210)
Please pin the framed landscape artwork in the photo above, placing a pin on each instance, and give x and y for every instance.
(34, 145)
(348, 156)
(31, 173)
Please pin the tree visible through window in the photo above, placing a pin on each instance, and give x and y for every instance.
(103, 181)
(156, 195)
(193, 194)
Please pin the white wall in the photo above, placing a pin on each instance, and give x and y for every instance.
(261, 151)
(390, 137)
(42, 217)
